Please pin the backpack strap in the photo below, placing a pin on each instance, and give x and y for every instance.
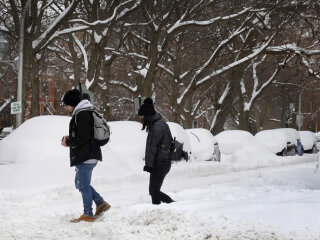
(88, 109)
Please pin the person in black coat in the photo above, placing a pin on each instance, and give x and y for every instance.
(157, 160)
(84, 153)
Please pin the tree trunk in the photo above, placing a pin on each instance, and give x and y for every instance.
(284, 108)
(35, 84)
(223, 114)
(26, 77)
(188, 116)
(106, 93)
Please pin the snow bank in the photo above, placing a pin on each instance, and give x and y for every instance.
(202, 143)
(308, 139)
(36, 140)
(34, 156)
(181, 135)
(292, 134)
(231, 140)
(272, 139)
(245, 196)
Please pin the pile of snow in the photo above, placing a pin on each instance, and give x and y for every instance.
(36, 140)
(272, 139)
(7, 129)
(232, 140)
(36, 145)
(128, 142)
(308, 139)
(181, 135)
(317, 136)
(202, 143)
(292, 134)
(214, 200)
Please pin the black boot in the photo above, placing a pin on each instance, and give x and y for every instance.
(155, 201)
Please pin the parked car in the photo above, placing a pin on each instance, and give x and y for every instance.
(308, 141)
(317, 136)
(280, 141)
(204, 145)
(5, 132)
(232, 140)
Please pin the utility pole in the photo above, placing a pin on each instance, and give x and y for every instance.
(20, 70)
(299, 113)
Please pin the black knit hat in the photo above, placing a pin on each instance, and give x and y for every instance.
(147, 108)
(72, 97)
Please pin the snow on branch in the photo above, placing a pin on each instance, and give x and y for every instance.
(237, 63)
(293, 48)
(66, 31)
(163, 67)
(124, 85)
(84, 53)
(225, 93)
(255, 91)
(126, 10)
(115, 15)
(310, 70)
(45, 36)
(181, 23)
(6, 103)
(206, 64)
(140, 38)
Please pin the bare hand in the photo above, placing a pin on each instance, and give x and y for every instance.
(63, 141)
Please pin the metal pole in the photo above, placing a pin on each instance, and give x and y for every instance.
(299, 113)
(20, 70)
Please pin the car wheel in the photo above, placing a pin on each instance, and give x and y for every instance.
(284, 152)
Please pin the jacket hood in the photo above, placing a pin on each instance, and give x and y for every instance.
(83, 104)
(156, 117)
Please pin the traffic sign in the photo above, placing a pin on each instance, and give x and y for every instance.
(16, 108)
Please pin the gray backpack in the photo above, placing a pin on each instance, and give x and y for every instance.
(101, 129)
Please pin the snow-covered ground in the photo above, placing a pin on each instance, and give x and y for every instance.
(250, 194)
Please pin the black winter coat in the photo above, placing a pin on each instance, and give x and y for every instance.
(81, 142)
(158, 143)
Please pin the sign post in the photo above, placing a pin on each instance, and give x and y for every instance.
(16, 108)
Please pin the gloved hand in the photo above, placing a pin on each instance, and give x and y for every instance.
(147, 169)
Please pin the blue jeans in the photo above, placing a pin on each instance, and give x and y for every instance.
(82, 182)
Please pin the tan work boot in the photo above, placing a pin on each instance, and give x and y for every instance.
(84, 218)
(101, 209)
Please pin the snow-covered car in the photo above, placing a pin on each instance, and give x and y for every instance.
(232, 140)
(308, 141)
(280, 141)
(204, 145)
(317, 136)
(182, 136)
(5, 132)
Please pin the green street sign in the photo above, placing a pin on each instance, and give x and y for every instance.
(16, 108)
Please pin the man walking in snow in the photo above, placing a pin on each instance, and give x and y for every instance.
(84, 153)
(157, 155)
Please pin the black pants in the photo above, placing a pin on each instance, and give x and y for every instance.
(156, 179)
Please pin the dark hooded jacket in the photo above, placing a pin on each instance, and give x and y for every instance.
(158, 142)
(81, 142)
